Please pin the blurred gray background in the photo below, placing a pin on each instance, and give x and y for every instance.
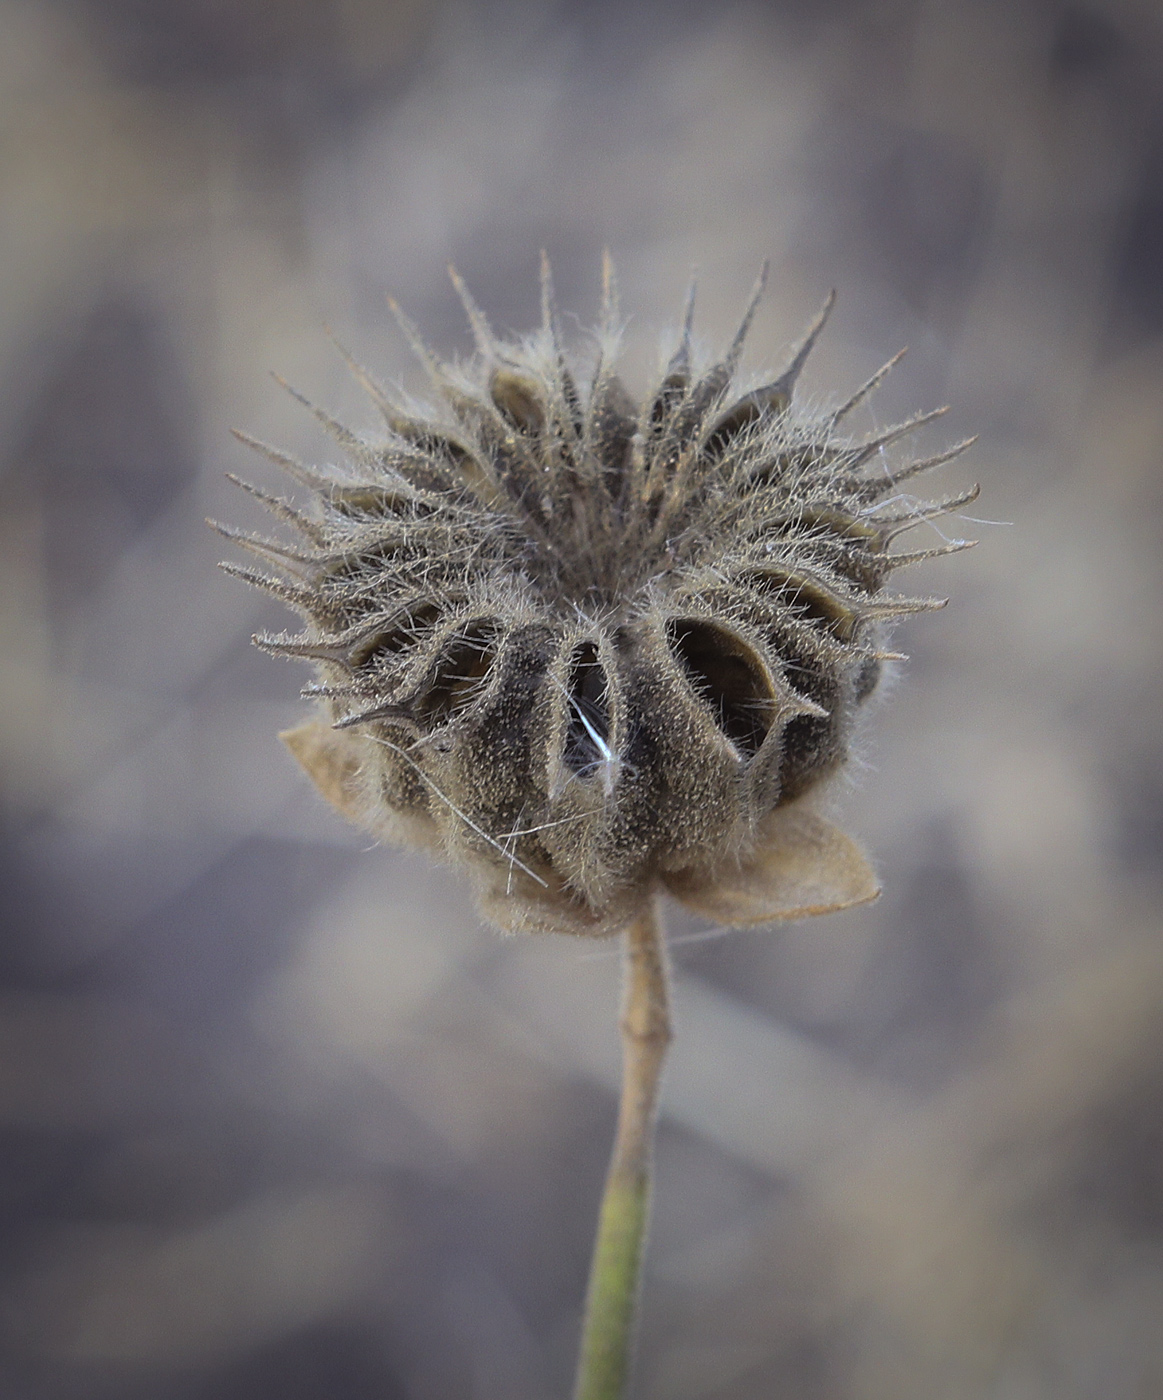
(279, 1120)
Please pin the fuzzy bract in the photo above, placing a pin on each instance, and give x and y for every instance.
(586, 646)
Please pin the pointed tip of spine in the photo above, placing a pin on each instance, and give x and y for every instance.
(679, 366)
(305, 476)
(274, 552)
(400, 714)
(238, 481)
(482, 332)
(787, 380)
(924, 464)
(688, 318)
(303, 600)
(865, 450)
(415, 342)
(364, 378)
(868, 386)
(894, 525)
(548, 301)
(247, 441)
(610, 304)
(343, 436)
(920, 556)
(688, 313)
(290, 389)
(735, 351)
(551, 328)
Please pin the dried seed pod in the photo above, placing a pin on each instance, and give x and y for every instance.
(586, 648)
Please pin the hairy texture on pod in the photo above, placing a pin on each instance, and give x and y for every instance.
(585, 646)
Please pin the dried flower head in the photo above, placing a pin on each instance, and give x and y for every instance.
(587, 647)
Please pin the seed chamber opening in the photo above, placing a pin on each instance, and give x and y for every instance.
(805, 600)
(461, 674)
(587, 735)
(723, 671)
(406, 630)
(516, 397)
(750, 410)
(362, 502)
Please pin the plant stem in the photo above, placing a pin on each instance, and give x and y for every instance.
(612, 1299)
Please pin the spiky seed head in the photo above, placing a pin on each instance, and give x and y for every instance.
(587, 647)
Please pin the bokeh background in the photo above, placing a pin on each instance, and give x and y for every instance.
(279, 1120)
